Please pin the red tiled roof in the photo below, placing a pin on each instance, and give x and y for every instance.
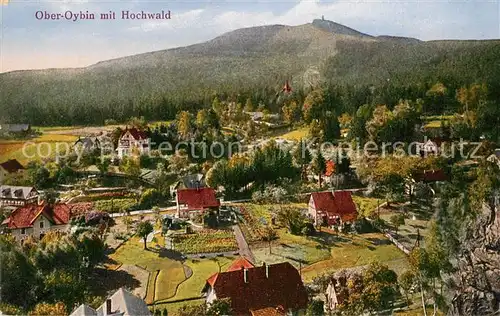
(12, 166)
(240, 263)
(330, 168)
(283, 287)
(236, 265)
(136, 133)
(25, 216)
(211, 280)
(339, 203)
(431, 175)
(269, 311)
(198, 199)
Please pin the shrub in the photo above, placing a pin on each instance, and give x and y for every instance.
(308, 229)
(363, 225)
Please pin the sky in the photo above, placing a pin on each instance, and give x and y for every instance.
(29, 43)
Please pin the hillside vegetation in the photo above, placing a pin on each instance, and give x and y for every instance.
(251, 62)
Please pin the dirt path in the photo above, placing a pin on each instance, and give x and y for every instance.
(242, 244)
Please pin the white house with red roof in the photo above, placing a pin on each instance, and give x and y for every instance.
(195, 200)
(133, 140)
(333, 208)
(275, 289)
(37, 219)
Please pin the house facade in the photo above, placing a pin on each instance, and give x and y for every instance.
(37, 219)
(133, 141)
(194, 201)
(332, 208)
(257, 290)
(17, 196)
(10, 167)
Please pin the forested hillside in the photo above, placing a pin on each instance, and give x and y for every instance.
(248, 63)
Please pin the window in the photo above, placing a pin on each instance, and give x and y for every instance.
(41, 224)
(23, 231)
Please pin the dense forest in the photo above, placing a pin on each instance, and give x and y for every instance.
(252, 63)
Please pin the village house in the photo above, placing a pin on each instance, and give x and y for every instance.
(15, 129)
(495, 157)
(195, 201)
(429, 147)
(192, 181)
(275, 289)
(88, 144)
(132, 141)
(17, 196)
(121, 303)
(37, 219)
(332, 208)
(10, 167)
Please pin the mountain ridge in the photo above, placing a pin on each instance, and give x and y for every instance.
(254, 59)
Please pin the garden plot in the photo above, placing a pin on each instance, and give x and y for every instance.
(205, 241)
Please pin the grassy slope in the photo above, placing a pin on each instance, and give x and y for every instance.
(358, 250)
(132, 252)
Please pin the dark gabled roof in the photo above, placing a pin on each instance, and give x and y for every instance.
(136, 133)
(431, 176)
(88, 142)
(12, 166)
(24, 217)
(191, 181)
(197, 199)
(339, 203)
(282, 287)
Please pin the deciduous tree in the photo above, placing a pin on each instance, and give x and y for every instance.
(143, 230)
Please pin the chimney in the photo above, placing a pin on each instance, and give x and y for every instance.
(245, 275)
(108, 306)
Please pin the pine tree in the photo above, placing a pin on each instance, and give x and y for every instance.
(319, 166)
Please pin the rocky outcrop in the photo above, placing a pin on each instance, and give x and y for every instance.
(478, 274)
